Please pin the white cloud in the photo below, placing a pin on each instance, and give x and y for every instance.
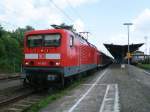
(38, 13)
(142, 22)
(79, 25)
(142, 28)
(21, 13)
(139, 29)
(74, 3)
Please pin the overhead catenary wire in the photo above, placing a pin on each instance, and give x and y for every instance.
(74, 10)
(68, 17)
(79, 16)
(62, 11)
(56, 6)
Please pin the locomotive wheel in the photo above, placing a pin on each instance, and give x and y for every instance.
(61, 83)
(25, 83)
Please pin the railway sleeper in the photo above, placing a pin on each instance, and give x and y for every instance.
(14, 110)
(21, 105)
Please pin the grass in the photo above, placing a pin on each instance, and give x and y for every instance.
(56, 95)
(144, 66)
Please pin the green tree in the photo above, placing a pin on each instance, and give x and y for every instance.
(19, 33)
(1, 31)
(11, 44)
(2, 48)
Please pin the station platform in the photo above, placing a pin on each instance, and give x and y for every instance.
(113, 89)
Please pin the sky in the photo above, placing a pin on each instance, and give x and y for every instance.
(102, 18)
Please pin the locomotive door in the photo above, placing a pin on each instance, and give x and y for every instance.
(79, 56)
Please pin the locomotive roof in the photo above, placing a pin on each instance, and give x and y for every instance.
(59, 30)
(43, 31)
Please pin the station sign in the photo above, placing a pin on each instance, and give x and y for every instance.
(129, 55)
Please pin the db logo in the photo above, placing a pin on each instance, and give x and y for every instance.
(41, 56)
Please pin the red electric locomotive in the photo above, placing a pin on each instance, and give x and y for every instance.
(55, 54)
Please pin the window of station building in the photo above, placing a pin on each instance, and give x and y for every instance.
(71, 40)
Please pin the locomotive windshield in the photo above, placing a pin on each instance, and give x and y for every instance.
(51, 40)
(35, 41)
(48, 40)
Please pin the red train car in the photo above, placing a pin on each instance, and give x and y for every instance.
(55, 54)
(103, 59)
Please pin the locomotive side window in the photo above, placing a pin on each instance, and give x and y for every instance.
(51, 40)
(71, 40)
(34, 41)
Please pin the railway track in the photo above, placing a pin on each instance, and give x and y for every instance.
(15, 98)
(9, 83)
(10, 77)
(11, 95)
(20, 102)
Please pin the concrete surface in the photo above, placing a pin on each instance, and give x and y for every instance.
(4, 84)
(111, 90)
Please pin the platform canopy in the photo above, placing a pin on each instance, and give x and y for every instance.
(120, 51)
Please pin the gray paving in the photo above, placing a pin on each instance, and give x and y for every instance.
(4, 84)
(111, 90)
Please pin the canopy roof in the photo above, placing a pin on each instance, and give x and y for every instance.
(120, 51)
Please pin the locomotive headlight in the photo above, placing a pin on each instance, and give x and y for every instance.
(26, 63)
(57, 63)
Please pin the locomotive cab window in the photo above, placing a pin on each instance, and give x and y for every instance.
(34, 41)
(71, 40)
(48, 40)
(51, 40)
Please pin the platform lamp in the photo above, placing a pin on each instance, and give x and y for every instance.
(128, 26)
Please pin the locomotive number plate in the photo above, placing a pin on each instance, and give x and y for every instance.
(51, 77)
(42, 63)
